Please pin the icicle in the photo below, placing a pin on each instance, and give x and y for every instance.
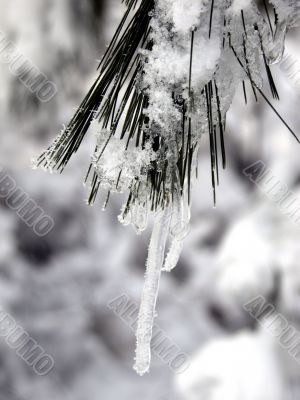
(179, 229)
(150, 291)
(140, 218)
(173, 255)
(140, 211)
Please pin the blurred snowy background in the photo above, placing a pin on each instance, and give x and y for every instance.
(58, 287)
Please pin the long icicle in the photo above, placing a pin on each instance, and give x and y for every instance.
(150, 291)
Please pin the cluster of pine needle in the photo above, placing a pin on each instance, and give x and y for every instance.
(119, 104)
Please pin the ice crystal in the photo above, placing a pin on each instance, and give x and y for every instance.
(169, 77)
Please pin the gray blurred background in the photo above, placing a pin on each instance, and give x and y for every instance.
(57, 287)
